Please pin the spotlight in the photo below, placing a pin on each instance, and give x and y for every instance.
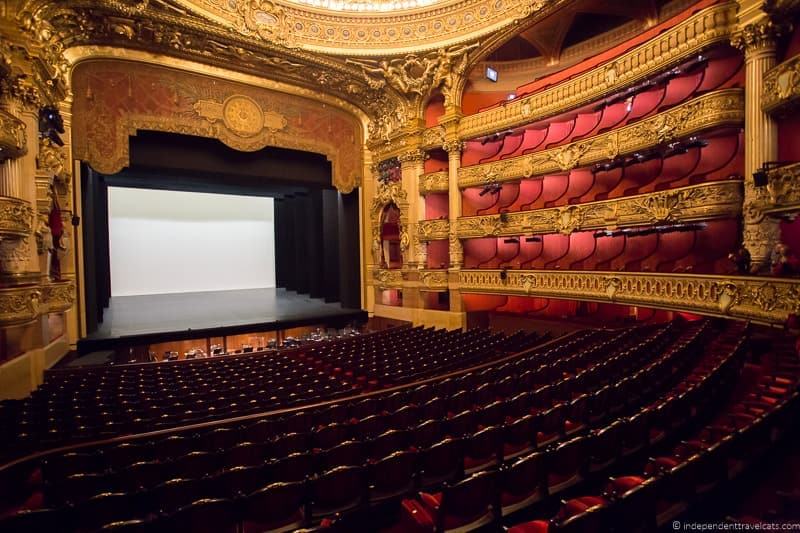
(504, 274)
(491, 74)
(503, 217)
(533, 239)
(760, 178)
(51, 124)
(511, 240)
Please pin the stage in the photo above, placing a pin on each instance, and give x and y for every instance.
(139, 320)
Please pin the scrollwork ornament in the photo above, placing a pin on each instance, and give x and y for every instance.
(759, 36)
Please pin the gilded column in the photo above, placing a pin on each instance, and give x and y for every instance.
(758, 40)
(411, 164)
(453, 149)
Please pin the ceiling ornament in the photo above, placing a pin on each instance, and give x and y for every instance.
(332, 27)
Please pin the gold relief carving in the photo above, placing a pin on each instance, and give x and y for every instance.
(718, 108)
(12, 137)
(453, 146)
(387, 279)
(390, 193)
(433, 137)
(700, 31)
(105, 115)
(16, 217)
(58, 296)
(706, 201)
(763, 300)
(433, 280)
(456, 250)
(433, 230)
(781, 85)
(412, 156)
(780, 196)
(52, 160)
(14, 254)
(369, 32)
(242, 115)
(759, 36)
(434, 182)
(19, 305)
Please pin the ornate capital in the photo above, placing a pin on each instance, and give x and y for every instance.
(453, 145)
(16, 218)
(758, 36)
(412, 156)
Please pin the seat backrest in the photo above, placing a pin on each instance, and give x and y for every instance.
(206, 516)
(339, 488)
(276, 504)
(471, 496)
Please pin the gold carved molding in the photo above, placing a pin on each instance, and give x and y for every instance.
(425, 280)
(390, 193)
(433, 182)
(719, 108)
(781, 195)
(12, 137)
(700, 31)
(16, 217)
(433, 230)
(20, 305)
(367, 32)
(763, 300)
(707, 201)
(781, 86)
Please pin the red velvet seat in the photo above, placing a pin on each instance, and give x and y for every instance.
(205, 516)
(339, 490)
(441, 462)
(523, 483)
(392, 476)
(277, 507)
(483, 449)
(566, 464)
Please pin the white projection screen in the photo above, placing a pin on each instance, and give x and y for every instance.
(168, 241)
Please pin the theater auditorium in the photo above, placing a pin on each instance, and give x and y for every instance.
(399, 266)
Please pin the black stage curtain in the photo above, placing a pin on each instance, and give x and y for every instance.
(96, 260)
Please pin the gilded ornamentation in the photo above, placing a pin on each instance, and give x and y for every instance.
(718, 108)
(387, 279)
(453, 146)
(759, 35)
(369, 32)
(456, 251)
(12, 137)
(781, 195)
(241, 115)
(433, 137)
(52, 160)
(782, 85)
(434, 182)
(390, 193)
(706, 201)
(709, 26)
(106, 114)
(14, 254)
(760, 299)
(433, 230)
(20, 305)
(16, 217)
(433, 280)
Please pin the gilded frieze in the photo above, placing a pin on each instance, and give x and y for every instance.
(366, 32)
(706, 28)
(719, 108)
(19, 305)
(115, 99)
(433, 230)
(780, 196)
(707, 201)
(433, 182)
(16, 217)
(384, 279)
(781, 85)
(763, 300)
(12, 137)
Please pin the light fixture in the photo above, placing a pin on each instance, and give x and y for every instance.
(491, 74)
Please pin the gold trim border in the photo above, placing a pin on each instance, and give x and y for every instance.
(724, 107)
(706, 201)
(781, 195)
(764, 300)
(700, 31)
(433, 182)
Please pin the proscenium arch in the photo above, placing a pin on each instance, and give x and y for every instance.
(336, 129)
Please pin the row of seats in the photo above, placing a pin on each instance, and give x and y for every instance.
(534, 480)
(109, 401)
(468, 451)
(714, 454)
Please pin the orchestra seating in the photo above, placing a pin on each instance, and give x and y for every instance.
(107, 401)
(671, 411)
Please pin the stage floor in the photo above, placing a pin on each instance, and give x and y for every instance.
(158, 317)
